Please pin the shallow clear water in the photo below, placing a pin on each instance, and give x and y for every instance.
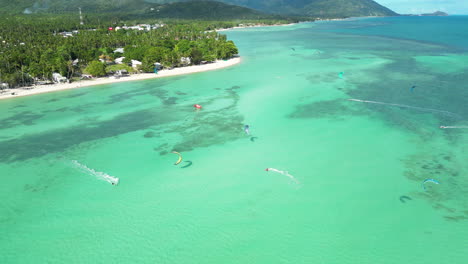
(356, 162)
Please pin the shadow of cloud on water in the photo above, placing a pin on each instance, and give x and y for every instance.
(201, 129)
(36, 145)
(212, 127)
(76, 95)
(146, 89)
(52, 100)
(336, 109)
(170, 101)
(26, 118)
(208, 127)
(448, 197)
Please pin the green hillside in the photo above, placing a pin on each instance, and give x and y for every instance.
(203, 9)
(346, 8)
(134, 8)
(57, 6)
(318, 8)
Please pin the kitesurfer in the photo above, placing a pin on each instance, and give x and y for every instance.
(246, 129)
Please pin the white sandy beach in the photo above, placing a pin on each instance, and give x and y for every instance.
(12, 93)
(253, 26)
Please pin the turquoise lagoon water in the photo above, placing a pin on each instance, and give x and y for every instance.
(360, 166)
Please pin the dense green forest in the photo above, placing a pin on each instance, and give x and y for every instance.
(34, 42)
(149, 8)
(345, 8)
(32, 48)
(206, 9)
(317, 8)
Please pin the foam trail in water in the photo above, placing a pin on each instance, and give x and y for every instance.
(408, 106)
(284, 173)
(453, 127)
(100, 175)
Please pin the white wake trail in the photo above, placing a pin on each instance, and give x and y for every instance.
(285, 173)
(100, 175)
(408, 106)
(453, 127)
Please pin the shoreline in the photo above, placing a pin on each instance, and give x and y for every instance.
(291, 24)
(255, 26)
(20, 92)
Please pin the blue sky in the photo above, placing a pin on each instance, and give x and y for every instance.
(453, 7)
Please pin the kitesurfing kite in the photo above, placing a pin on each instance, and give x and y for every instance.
(180, 157)
(403, 198)
(429, 180)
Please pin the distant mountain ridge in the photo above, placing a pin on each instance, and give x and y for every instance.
(202, 10)
(436, 13)
(310, 8)
(185, 9)
(318, 8)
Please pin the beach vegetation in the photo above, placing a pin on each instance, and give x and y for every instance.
(96, 69)
(112, 69)
(52, 39)
(201, 9)
(44, 51)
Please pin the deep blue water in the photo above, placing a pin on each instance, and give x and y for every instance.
(449, 30)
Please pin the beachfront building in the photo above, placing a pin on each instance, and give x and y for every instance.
(121, 73)
(67, 34)
(135, 64)
(105, 59)
(38, 81)
(146, 27)
(185, 61)
(119, 60)
(58, 78)
(158, 66)
(4, 86)
(86, 76)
